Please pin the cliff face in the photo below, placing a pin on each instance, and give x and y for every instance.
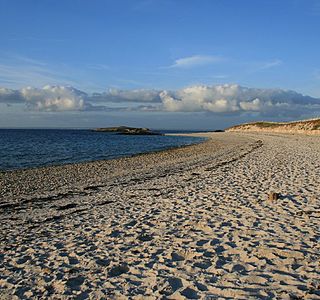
(306, 127)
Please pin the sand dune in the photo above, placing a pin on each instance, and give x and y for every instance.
(190, 223)
(310, 127)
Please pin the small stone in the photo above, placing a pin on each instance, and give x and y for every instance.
(273, 196)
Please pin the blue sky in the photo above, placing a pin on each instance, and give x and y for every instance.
(163, 45)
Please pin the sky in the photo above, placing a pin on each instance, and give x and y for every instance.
(168, 64)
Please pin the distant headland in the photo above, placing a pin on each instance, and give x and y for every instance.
(128, 130)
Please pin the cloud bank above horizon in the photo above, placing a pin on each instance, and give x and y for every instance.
(226, 99)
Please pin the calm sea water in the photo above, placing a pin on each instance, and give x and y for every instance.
(28, 148)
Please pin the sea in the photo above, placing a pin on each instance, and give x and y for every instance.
(30, 148)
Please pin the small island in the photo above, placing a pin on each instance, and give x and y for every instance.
(128, 130)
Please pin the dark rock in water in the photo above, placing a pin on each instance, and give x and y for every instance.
(128, 130)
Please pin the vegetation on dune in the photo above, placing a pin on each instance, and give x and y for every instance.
(313, 124)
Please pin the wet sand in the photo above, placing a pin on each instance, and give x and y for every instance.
(188, 223)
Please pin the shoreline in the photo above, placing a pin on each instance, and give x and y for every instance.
(185, 223)
(106, 169)
(114, 158)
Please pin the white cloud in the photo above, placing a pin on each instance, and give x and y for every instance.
(217, 99)
(253, 105)
(271, 64)
(196, 60)
(232, 98)
(53, 98)
(199, 98)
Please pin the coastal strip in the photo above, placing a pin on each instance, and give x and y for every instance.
(187, 223)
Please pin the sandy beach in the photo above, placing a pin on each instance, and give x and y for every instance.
(187, 223)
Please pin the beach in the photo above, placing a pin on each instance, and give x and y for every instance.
(188, 223)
